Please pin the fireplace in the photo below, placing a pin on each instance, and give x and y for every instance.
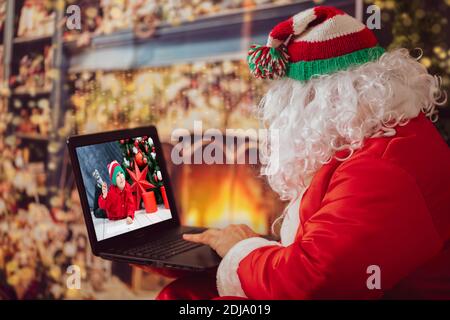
(216, 195)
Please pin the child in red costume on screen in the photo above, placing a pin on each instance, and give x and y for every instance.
(118, 201)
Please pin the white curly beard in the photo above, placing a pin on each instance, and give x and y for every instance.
(337, 112)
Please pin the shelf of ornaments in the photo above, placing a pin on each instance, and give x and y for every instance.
(32, 73)
(31, 68)
(30, 111)
(219, 36)
(32, 136)
(176, 25)
(230, 16)
(26, 40)
(23, 92)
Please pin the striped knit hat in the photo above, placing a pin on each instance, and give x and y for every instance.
(317, 41)
(113, 169)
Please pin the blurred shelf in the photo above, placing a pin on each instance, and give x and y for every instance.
(207, 22)
(14, 48)
(211, 37)
(32, 136)
(32, 39)
(31, 93)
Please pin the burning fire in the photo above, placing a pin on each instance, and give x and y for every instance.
(219, 195)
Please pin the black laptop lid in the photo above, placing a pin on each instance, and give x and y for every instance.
(134, 153)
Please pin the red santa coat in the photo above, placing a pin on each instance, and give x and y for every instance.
(118, 204)
(387, 206)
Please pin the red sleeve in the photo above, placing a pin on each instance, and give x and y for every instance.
(372, 214)
(103, 203)
(131, 207)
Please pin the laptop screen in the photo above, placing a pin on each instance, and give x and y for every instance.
(124, 185)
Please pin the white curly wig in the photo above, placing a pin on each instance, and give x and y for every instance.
(314, 119)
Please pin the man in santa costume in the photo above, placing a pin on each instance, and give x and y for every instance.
(118, 201)
(365, 171)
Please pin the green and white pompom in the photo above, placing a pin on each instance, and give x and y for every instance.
(266, 62)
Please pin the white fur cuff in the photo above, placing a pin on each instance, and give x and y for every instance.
(228, 283)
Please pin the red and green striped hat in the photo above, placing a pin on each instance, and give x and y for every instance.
(113, 169)
(317, 41)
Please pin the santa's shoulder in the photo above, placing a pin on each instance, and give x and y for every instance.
(415, 150)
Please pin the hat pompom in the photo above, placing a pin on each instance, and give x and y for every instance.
(267, 62)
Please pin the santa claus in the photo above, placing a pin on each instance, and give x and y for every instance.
(365, 171)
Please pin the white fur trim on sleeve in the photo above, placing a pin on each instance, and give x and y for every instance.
(228, 283)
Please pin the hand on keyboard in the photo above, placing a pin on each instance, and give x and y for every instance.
(222, 240)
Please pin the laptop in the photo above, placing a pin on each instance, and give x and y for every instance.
(152, 238)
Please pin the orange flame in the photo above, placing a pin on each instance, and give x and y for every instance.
(219, 195)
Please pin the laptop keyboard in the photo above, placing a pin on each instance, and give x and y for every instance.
(164, 248)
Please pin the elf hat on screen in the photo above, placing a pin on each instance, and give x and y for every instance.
(317, 41)
(113, 169)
